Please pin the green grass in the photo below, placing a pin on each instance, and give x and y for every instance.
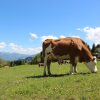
(26, 82)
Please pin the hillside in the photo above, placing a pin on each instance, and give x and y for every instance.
(12, 56)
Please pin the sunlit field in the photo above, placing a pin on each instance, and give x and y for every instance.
(26, 82)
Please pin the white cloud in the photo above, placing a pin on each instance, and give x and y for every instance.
(2, 45)
(19, 49)
(33, 36)
(76, 36)
(79, 29)
(54, 37)
(92, 34)
(48, 37)
(62, 36)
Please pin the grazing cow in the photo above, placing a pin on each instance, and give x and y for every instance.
(74, 49)
(40, 64)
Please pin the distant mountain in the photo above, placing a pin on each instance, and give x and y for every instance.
(28, 59)
(13, 56)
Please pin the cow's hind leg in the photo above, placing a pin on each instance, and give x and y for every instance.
(44, 73)
(73, 68)
(45, 64)
(48, 67)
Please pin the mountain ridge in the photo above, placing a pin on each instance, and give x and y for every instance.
(13, 56)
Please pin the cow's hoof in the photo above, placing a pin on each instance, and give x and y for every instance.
(94, 72)
(72, 73)
(49, 74)
(44, 74)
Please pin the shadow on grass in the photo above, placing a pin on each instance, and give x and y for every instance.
(56, 75)
(85, 73)
(53, 75)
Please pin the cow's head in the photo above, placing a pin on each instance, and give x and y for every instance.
(92, 65)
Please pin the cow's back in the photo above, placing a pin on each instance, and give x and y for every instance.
(68, 46)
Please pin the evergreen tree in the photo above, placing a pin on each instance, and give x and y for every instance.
(37, 58)
(93, 48)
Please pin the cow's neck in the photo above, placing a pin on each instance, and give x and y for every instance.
(86, 56)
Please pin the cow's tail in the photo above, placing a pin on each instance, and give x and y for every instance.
(43, 50)
(41, 57)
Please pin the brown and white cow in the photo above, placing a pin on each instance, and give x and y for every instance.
(70, 48)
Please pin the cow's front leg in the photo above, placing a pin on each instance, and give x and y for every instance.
(44, 73)
(45, 64)
(75, 69)
(48, 67)
(71, 69)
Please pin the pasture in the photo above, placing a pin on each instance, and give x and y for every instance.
(26, 82)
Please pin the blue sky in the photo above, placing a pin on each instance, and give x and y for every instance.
(24, 24)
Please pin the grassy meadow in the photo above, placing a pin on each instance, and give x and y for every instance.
(26, 82)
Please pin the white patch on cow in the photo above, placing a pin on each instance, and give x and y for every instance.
(92, 66)
(48, 49)
(48, 52)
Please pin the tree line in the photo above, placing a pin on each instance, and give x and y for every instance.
(29, 60)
